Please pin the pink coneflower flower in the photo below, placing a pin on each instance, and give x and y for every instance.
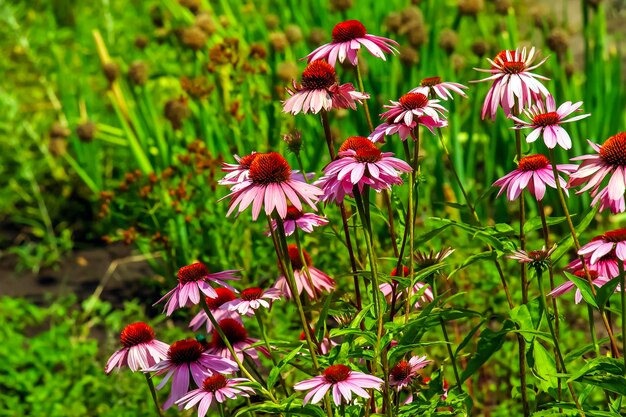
(605, 266)
(513, 82)
(184, 358)
(297, 219)
(348, 37)
(319, 282)
(432, 86)
(613, 241)
(566, 287)
(547, 120)
(533, 172)
(237, 172)
(141, 350)
(360, 163)
(194, 280)
(388, 288)
(602, 196)
(405, 372)
(609, 160)
(534, 259)
(270, 183)
(218, 309)
(320, 90)
(342, 380)
(404, 115)
(237, 335)
(218, 388)
(252, 299)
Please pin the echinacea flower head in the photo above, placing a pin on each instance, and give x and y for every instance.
(215, 388)
(238, 172)
(569, 285)
(184, 358)
(406, 114)
(252, 299)
(612, 242)
(388, 288)
(297, 219)
(217, 308)
(610, 160)
(140, 349)
(546, 121)
(320, 90)
(193, 281)
(405, 372)
(348, 37)
(271, 184)
(533, 172)
(342, 381)
(536, 258)
(602, 197)
(513, 82)
(319, 281)
(425, 259)
(238, 338)
(432, 86)
(360, 163)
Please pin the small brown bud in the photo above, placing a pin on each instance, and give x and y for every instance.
(287, 71)
(193, 38)
(138, 73)
(293, 34)
(340, 5)
(393, 21)
(86, 131)
(558, 41)
(197, 88)
(111, 71)
(192, 5)
(58, 131)
(471, 7)
(317, 36)
(409, 56)
(176, 111)
(257, 51)
(480, 48)
(141, 41)
(503, 6)
(272, 21)
(278, 41)
(293, 141)
(206, 24)
(448, 40)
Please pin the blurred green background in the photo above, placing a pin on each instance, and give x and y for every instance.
(116, 118)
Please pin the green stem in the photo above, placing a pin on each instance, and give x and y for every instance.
(220, 406)
(153, 394)
(592, 330)
(607, 326)
(557, 348)
(415, 134)
(622, 290)
(522, 219)
(259, 314)
(359, 79)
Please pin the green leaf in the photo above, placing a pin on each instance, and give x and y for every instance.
(606, 291)
(489, 343)
(585, 289)
(535, 223)
(601, 364)
(489, 255)
(275, 372)
(294, 407)
(469, 337)
(543, 366)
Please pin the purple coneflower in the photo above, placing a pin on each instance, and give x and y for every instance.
(610, 159)
(218, 388)
(320, 90)
(547, 120)
(405, 372)
(613, 241)
(569, 285)
(270, 183)
(252, 299)
(404, 115)
(348, 37)
(193, 281)
(388, 288)
(534, 259)
(238, 338)
(360, 163)
(238, 172)
(297, 219)
(217, 308)
(319, 282)
(513, 82)
(342, 380)
(184, 358)
(602, 196)
(433, 85)
(533, 172)
(141, 350)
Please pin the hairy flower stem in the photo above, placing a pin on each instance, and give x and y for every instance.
(153, 394)
(305, 267)
(607, 326)
(555, 339)
(522, 220)
(505, 286)
(555, 309)
(230, 348)
(415, 134)
(259, 313)
(376, 298)
(622, 290)
(447, 340)
(344, 217)
(220, 407)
